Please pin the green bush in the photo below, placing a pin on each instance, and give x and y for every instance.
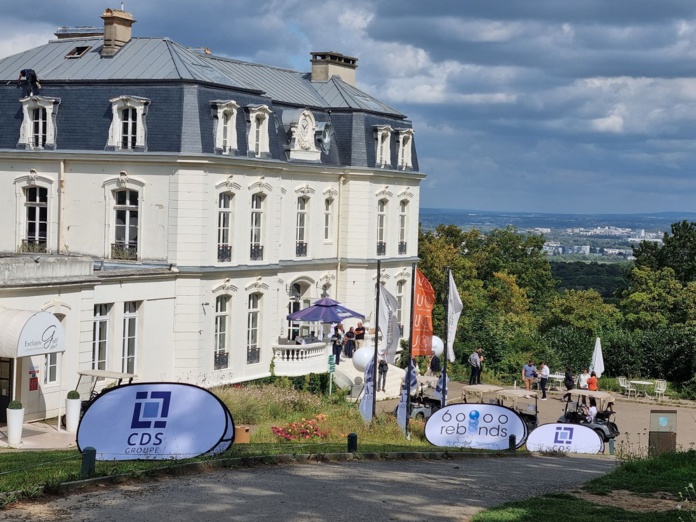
(73, 394)
(15, 405)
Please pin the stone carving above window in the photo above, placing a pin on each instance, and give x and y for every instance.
(301, 128)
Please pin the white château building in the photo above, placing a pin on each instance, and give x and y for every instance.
(170, 207)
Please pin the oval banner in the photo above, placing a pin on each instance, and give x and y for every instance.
(568, 438)
(156, 421)
(480, 426)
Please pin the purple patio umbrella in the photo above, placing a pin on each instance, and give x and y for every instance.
(325, 311)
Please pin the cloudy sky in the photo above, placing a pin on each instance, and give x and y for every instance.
(524, 105)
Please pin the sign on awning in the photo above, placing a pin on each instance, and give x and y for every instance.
(24, 333)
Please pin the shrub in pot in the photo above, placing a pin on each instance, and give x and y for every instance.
(73, 405)
(15, 419)
(73, 394)
(15, 405)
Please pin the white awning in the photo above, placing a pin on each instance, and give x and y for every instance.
(25, 332)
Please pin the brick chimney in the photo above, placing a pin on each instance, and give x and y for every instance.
(328, 64)
(117, 30)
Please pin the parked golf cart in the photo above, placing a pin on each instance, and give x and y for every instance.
(603, 423)
(524, 403)
(422, 404)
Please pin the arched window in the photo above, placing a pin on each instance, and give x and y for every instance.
(128, 129)
(258, 143)
(256, 229)
(403, 227)
(253, 329)
(382, 227)
(224, 231)
(400, 288)
(222, 319)
(301, 227)
(126, 209)
(328, 219)
(36, 203)
(130, 337)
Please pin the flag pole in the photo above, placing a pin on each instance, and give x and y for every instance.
(374, 355)
(446, 350)
(407, 379)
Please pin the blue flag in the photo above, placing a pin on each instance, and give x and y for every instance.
(367, 401)
(438, 389)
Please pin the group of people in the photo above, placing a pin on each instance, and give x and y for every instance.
(584, 381)
(346, 342)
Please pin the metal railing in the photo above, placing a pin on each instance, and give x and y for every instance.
(402, 247)
(301, 249)
(253, 355)
(256, 253)
(221, 359)
(224, 253)
(124, 250)
(381, 248)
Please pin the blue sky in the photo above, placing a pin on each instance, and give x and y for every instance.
(534, 105)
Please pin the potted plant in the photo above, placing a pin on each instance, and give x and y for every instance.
(72, 411)
(15, 419)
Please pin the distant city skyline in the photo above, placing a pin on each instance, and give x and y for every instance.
(535, 106)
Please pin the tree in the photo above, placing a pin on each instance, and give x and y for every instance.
(653, 299)
(583, 309)
(678, 252)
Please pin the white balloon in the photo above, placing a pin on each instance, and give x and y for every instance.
(361, 357)
(438, 346)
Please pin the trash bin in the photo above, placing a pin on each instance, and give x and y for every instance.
(662, 437)
(241, 434)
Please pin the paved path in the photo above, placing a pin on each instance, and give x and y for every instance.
(437, 490)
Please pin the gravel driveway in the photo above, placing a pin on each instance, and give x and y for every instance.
(432, 490)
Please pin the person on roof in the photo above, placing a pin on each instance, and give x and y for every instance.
(28, 77)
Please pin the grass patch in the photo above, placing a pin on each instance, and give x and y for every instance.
(551, 508)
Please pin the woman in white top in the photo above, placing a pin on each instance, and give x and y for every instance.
(591, 412)
(582, 379)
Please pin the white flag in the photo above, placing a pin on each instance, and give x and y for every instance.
(597, 364)
(401, 409)
(367, 401)
(389, 323)
(454, 309)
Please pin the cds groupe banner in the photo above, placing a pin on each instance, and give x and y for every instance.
(566, 438)
(480, 426)
(156, 421)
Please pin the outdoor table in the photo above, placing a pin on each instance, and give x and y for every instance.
(642, 386)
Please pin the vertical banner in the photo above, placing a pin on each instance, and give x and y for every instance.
(454, 310)
(441, 388)
(367, 401)
(389, 323)
(407, 389)
(422, 330)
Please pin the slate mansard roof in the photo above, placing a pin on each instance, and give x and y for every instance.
(181, 83)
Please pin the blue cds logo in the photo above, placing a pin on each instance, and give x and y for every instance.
(151, 410)
(563, 435)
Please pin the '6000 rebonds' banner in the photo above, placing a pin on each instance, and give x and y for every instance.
(156, 421)
(422, 331)
(480, 426)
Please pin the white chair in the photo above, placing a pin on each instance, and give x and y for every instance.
(627, 387)
(660, 388)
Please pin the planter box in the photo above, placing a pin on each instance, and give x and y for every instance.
(15, 420)
(72, 414)
(241, 434)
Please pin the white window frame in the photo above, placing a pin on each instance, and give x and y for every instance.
(382, 145)
(405, 155)
(37, 205)
(139, 106)
(225, 126)
(302, 222)
(51, 365)
(256, 238)
(225, 225)
(45, 106)
(258, 142)
(328, 219)
(222, 331)
(382, 222)
(129, 357)
(100, 336)
(129, 209)
(254, 318)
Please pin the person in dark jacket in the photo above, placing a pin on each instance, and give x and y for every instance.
(28, 77)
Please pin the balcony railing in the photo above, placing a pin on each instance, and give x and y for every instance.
(221, 360)
(253, 355)
(402, 248)
(381, 248)
(33, 246)
(256, 253)
(124, 250)
(224, 253)
(292, 360)
(301, 249)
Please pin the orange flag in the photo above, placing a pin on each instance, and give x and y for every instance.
(422, 331)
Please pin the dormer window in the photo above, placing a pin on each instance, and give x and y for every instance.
(258, 144)
(225, 114)
(78, 51)
(404, 160)
(128, 130)
(382, 146)
(38, 130)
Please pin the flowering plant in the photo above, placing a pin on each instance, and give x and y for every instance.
(302, 430)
